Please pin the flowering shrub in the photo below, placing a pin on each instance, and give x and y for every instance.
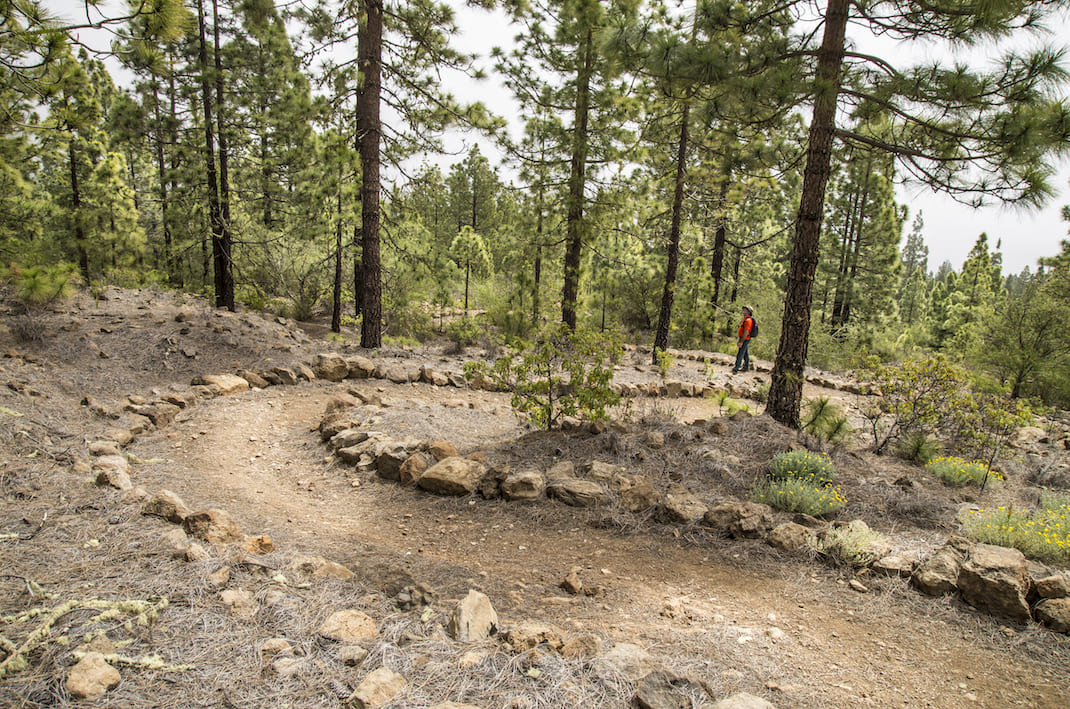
(956, 471)
(1043, 534)
(795, 495)
(814, 468)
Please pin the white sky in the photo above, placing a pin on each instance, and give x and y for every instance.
(950, 228)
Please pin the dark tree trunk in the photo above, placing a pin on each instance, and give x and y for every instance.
(719, 238)
(76, 208)
(576, 183)
(225, 260)
(369, 62)
(661, 337)
(336, 294)
(161, 169)
(785, 391)
(215, 217)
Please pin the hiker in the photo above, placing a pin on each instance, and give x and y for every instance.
(745, 329)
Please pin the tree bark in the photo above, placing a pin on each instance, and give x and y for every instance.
(785, 391)
(369, 62)
(215, 218)
(76, 208)
(225, 261)
(661, 337)
(576, 183)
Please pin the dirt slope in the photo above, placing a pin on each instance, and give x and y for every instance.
(733, 616)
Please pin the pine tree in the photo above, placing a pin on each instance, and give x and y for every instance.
(945, 121)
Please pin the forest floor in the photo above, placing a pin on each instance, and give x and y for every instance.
(729, 615)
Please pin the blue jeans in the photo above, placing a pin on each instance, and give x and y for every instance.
(743, 357)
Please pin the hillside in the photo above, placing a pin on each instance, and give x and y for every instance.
(612, 595)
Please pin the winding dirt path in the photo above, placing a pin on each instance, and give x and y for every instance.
(789, 630)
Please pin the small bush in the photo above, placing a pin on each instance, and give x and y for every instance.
(795, 495)
(664, 362)
(826, 421)
(956, 471)
(1043, 534)
(39, 285)
(853, 544)
(814, 468)
(918, 447)
(463, 332)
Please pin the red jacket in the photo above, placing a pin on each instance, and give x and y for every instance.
(745, 327)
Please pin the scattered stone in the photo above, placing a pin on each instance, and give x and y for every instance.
(743, 700)
(214, 526)
(284, 375)
(899, 564)
(100, 448)
(220, 577)
(92, 677)
(352, 655)
(452, 476)
(561, 471)
(168, 505)
(939, 573)
(1057, 586)
(629, 660)
(572, 583)
(654, 439)
(1055, 613)
(359, 367)
(576, 492)
(331, 367)
(253, 379)
(680, 506)
(996, 579)
(177, 542)
(790, 537)
(602, 472)
(474, 618)
(222, 384)
(746, 520)
(113, 470)
(260, 544)
(858, 586)
(195, 552)
(531, 634)
(454, 705)
(664, 690)
(440, 450)
(161, 413)
(581, 646)
(121, 436)
(413, 467)
(286, 667)
(637, 493)
(377, 689)
(274, 647)
(523, 486)
(239, 602)
(414, 597)
(348, 626)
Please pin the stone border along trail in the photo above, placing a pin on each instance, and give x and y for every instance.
(652, 590)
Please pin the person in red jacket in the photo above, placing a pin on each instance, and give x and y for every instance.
(745, 329)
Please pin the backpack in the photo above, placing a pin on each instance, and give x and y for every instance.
(753, 327)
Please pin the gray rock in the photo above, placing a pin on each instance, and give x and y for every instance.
(168, 505)
(681, 507)
(285, 375)
(746, 520)
(662, 689)
(560, 471)
(303, 372)
(347, 438)
(899, 564)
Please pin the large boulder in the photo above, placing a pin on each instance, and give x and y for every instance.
(452, 476)
(996, 579)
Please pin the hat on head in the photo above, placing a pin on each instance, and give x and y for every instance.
(749, 309)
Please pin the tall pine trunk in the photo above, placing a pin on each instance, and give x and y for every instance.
(369, 62)
(576, 184)
(225, 259)
(661, 337)
(785, 391)
(76, 212)
(215, 217)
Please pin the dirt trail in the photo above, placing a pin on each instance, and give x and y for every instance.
(792, 629)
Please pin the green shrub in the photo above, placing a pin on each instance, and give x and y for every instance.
(663, 360)
(463, 332)
(956, 471)
(918, 447)
(814, 468)
(794, 495)
(562, 373)
(854, 544)
(826, 421)
(38, 285)
(1043, 534)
